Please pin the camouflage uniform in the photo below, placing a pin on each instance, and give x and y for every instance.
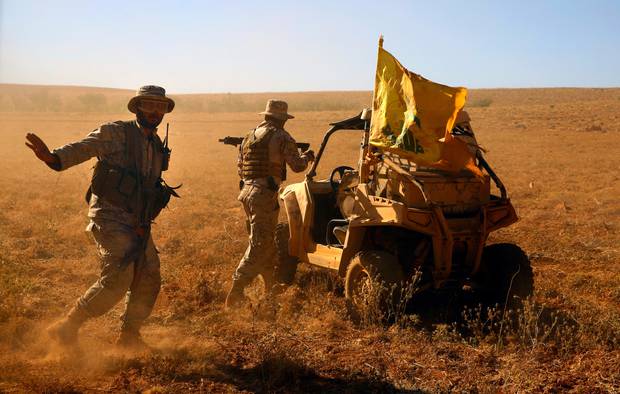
(113, 228)
(260, 202)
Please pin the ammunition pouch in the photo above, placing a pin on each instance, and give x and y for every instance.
(114, 184)
(159, 197)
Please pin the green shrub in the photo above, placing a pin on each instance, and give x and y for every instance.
(481, 103)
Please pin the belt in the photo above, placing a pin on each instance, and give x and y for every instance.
(270, 182)
(261, 181)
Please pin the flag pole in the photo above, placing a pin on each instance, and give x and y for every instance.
(365, 142)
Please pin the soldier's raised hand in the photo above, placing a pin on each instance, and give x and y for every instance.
(309, 154)
(40, 149)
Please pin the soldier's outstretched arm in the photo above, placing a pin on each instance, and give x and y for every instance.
(105, 140)
(297, 162)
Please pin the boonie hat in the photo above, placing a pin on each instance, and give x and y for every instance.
(278, 109)
(150, 92)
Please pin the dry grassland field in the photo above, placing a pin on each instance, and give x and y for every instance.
(556, 150)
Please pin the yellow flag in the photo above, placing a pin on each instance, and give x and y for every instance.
(413, 117)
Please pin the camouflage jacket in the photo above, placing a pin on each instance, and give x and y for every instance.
(282, 151)
(108, 143)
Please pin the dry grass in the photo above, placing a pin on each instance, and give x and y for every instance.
(560, 170)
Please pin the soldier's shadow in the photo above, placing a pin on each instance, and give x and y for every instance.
(284, 375)
(275, 373)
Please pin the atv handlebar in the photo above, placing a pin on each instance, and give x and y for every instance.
(483, 162)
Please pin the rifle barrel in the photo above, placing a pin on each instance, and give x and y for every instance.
(238, 140)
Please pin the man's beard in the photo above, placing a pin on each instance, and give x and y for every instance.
(145, 123)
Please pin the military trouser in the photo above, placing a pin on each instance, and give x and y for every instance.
(115, 241)
(261, 208)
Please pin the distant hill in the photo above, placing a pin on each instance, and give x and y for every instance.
(41, 98)
(35, 98)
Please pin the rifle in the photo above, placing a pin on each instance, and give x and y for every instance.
(236, 141)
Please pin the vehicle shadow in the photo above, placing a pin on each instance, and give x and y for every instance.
(470, 315)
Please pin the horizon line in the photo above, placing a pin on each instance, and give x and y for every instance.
(291, 91)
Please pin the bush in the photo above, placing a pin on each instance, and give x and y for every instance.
(480, 103)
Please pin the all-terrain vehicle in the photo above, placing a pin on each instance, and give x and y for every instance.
(390, 220)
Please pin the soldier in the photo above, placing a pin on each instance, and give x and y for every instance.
(263, 156)
(123, 198)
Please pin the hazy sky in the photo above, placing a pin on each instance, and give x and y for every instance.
(257, 46)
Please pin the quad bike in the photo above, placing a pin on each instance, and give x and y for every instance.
(389, 221)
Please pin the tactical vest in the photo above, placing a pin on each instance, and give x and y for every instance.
(255, 157)
(125, 187)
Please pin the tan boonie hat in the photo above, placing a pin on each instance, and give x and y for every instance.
(277, 109)
(150, 92)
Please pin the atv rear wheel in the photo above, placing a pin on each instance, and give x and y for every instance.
(372, 285)
(505, 274)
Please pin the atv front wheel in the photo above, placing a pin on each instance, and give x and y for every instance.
(372, 285)
(505, 274)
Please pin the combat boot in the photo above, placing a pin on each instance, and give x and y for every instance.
(65, 331)
(130, 339)
(235, 297)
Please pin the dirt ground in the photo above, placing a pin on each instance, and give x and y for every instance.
(556, 150)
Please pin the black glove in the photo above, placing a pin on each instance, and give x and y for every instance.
(309, 154)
